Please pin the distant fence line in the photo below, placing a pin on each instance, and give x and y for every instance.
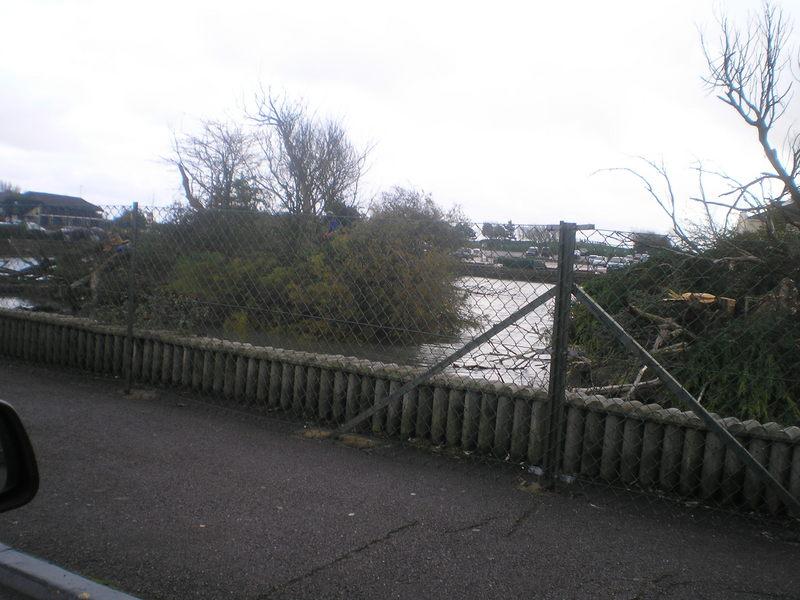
(539, 275)
(624, 443)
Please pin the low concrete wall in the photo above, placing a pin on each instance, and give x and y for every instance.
(623, 443)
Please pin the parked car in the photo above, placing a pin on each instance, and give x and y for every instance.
(532, 252)
(616, 263)
(596, 260)
(31, 226)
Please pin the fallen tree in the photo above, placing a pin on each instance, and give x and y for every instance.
(730, 330)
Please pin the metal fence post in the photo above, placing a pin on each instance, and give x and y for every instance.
(128, 359)
(559, 352)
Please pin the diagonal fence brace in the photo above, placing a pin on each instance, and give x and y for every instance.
(445, 362)
(792, 503)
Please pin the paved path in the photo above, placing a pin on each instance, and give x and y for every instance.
(168, 498)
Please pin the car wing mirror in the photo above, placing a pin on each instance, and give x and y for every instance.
(19, 475)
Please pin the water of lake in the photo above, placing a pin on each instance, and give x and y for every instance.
(14, 302)
(519, 354)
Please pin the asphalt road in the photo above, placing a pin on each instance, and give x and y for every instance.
(169, 498)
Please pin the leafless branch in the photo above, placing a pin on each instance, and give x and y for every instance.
(217, 167)
(311, 166)
(745, 68)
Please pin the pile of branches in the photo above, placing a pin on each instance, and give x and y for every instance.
(728, 330)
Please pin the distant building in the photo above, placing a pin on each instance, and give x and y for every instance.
(778, 216)
(48, 210)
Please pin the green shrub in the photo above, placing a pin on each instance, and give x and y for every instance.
(379, 280)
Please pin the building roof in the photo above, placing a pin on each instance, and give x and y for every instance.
(53, 201)
(788, 210)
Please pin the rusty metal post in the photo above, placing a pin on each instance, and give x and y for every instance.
(128, 360)
(559, 353)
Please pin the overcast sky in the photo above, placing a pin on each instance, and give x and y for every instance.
(506, 108)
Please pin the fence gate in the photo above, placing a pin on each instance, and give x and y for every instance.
(692, 453)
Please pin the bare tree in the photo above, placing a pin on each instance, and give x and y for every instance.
(217, 167)
(310, 165)
(746, 67)
(7, 186)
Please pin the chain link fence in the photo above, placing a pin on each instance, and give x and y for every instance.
(353, 311)
(720, 315)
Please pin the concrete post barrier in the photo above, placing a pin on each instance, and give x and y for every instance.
(422, 427)
(352, 397)
(503, 423)
(185, 369)
(325, 395)
(408, 414)
(439, 415)
(379, 418)
(753, 488)
(99, 350)
(672, 448)
(609, 439)
(650, 461)
(109, 354)
(207, 381)
(520, 428)
(299, 390)
(691, 461)
(218, 380)
(593, 433)
(394, 410)
(177, 364)
(472, 419)
(229, 379)
(312, 392)
(166, 363)
(631, 443)
(366, 393)
(732, 469)
(794, 467)
(339, 400)
(612, 441)
(80, 358)
(262, 387)
(250, 380)
(713, 460)
(488, 420)
(274, 392)
(287, 385)
(539, 426)
(573, 439)
(778, 461)
(198, 363)
(455, 417)
(155, 362)
(239, 378)
(147, 360)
